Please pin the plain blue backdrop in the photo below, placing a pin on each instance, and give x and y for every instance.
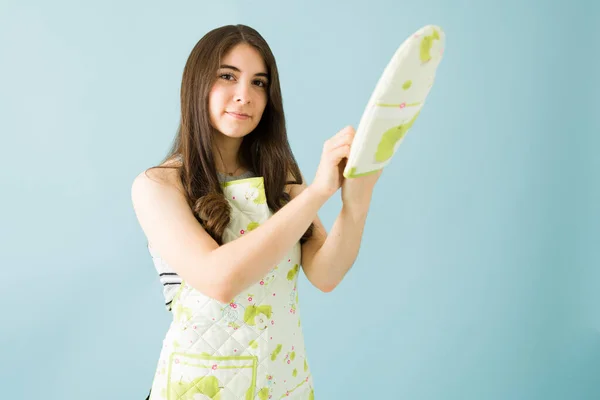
(478, 277)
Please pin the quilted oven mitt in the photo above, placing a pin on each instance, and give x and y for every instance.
(396, 101)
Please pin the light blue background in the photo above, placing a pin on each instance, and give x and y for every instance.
(478, 277)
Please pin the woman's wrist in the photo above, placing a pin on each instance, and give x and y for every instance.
(318, 194)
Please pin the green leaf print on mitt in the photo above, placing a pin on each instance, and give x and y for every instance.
(204, 385)
(292, 273)
(426, 44)
(252, 226)
(385, 149)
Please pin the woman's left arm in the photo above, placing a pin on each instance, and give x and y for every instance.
(326, 258)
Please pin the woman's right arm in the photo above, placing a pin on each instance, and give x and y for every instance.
(222, 272)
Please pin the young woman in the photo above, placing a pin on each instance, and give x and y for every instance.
(230, 221)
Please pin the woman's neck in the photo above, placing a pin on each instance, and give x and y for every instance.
(226, 155)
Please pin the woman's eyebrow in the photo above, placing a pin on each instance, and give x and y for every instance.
(238, 70)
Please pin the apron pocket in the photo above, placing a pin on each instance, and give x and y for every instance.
(215, 377)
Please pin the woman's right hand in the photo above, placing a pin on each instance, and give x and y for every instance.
(329, 176)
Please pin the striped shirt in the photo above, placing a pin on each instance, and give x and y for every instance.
(167, 276)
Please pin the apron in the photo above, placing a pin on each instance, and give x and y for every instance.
(250, 348)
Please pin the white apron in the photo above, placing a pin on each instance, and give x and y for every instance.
(249, 348)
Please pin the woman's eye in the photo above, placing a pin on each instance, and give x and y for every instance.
(227, 77)
(260, 83)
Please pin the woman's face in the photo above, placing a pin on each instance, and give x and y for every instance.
(239, 95)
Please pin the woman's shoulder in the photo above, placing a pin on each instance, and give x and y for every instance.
(164, 177)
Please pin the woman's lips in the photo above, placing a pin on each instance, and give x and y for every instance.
(238, 115)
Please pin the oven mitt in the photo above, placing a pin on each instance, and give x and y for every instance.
(396, 101)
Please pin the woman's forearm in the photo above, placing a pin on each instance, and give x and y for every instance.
(339, 251)
(242, 262)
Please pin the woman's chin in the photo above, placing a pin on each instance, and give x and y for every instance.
(235, 133)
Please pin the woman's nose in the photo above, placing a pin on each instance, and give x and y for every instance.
(242, 94)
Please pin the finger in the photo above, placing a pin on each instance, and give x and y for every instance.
(345, 136)
(346, 130)
(340, 140)
(339, 153)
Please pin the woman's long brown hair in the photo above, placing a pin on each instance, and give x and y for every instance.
(265, 150)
